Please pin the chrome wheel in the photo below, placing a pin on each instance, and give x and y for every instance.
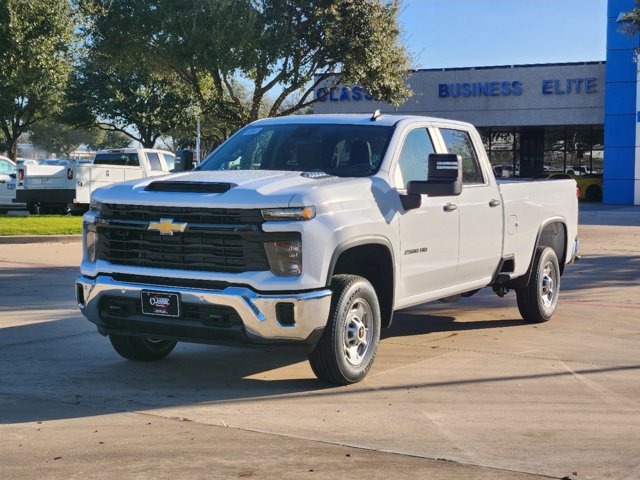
(548, 281)
(357, 331)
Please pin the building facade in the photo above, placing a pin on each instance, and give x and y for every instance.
(535, 119)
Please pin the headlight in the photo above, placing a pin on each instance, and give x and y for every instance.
(95, 205)
(285, 257)
(284, 214)
(91, 241)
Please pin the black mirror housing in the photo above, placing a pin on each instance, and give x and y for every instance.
(444, 177)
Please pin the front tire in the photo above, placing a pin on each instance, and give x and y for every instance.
(141, 349)
(538, 300)
(349, 343)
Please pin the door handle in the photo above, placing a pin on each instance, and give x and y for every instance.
(450, 207)
(3, 181)
(494, 203)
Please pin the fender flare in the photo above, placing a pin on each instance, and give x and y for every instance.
(523, 281)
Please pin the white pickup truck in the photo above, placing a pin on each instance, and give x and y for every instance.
(313, 230)
(66, 186)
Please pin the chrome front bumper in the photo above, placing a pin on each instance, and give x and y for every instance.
(256, 311)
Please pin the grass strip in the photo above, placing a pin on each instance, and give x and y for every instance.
(40, 225)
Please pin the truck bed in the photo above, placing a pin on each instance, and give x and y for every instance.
(527, 204)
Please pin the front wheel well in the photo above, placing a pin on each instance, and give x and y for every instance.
(375, 263)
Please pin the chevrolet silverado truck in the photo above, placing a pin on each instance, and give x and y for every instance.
(313, 230)
(66, 186)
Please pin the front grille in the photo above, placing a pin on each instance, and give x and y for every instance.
(211, 216)
(192, 250)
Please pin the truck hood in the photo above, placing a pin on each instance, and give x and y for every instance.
(246, 189)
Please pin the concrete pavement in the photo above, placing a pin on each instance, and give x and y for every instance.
(461, 390)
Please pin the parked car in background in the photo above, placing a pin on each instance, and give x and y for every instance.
(590, 185)
(65, 186)
(7, 183)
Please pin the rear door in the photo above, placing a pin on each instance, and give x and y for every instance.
(480, 207)
(428, 234)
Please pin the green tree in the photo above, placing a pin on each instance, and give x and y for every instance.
(55, 136)
(36, 39)
(278, 49)
(630, 23)
(133, 101)
(108, 139)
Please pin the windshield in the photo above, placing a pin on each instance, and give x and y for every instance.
(337, 149)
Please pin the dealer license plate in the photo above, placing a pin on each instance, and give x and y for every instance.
(160, 303)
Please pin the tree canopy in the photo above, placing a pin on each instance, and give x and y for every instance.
(37, 37)
(277, 49)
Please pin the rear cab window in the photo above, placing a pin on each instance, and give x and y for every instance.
(117, 159)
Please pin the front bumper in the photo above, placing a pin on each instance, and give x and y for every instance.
(232, 315)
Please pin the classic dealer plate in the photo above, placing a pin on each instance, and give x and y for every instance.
(160, 303)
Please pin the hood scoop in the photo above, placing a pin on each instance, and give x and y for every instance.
(189, 187)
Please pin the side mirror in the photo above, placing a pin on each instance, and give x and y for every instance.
(184, 161)
(444, 179)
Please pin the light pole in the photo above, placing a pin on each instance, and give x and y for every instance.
(196, 111)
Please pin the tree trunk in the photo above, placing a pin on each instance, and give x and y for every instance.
(12, 142)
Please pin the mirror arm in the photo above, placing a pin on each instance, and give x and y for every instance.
(410, 201)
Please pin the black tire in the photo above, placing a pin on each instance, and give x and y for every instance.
(141, 349)
(538, 300)
(349, 343)
(593, 194)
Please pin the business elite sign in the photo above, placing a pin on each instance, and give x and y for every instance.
(516, 88)
(504, 88)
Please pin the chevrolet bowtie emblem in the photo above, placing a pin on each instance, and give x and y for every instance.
(166, 226)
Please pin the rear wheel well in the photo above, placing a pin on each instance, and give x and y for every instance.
(554, 235)
(375, 263)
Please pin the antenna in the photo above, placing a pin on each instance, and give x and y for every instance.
(375, 115)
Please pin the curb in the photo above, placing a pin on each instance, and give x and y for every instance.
(21, 239)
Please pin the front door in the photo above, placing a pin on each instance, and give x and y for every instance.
(429, 234)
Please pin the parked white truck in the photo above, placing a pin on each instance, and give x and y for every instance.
(313, 230)
(67, 186)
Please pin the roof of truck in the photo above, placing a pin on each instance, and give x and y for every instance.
(352, 119)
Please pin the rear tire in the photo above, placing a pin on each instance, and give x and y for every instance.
(593, 194)
(141, 349)
(538, 300)
(349, 343)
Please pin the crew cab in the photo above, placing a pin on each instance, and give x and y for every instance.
(313, 230)
(67, 186)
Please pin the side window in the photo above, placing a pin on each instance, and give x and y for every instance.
(6, 167)
(414, 155)
(170, 160)
(459, 142)
(154, 161)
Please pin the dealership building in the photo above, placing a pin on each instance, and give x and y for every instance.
(574, 117)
